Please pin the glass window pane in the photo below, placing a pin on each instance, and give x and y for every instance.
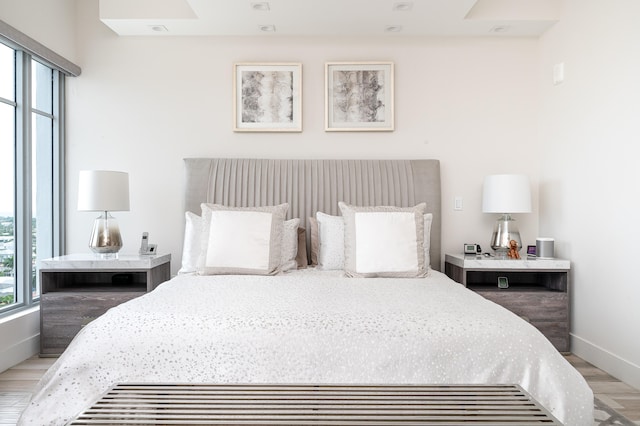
(7, 212)
(42, 84)
(7, 73)
(42, 195)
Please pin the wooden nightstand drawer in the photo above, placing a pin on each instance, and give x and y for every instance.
(79, 288)
(546, 311)
(65, 313)
(535, 306)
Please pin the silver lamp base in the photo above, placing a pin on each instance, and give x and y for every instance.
(105, 236)
(504, 231)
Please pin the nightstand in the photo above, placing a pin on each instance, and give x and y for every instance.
(77, 288)
(538, 289)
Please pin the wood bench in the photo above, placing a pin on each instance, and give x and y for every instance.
(200, 404)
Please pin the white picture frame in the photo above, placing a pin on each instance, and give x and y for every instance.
(267, 97)
(359, 96)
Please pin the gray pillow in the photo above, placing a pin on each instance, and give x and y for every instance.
(289, 245)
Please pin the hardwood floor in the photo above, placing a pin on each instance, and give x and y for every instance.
(17, 383)
(616, 394)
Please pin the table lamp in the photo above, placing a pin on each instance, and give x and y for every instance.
(104, 191)
(506, 194)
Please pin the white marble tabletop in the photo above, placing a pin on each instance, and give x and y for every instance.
(489, 262)
(94, 261)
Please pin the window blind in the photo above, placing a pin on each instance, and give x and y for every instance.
(17, 39)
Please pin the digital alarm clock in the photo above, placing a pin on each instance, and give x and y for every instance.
(472, 249)
(503, 282)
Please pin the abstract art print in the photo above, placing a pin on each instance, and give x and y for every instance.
(359, 96)
(267, 97)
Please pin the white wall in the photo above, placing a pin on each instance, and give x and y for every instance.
(589, 197)
(142, 104)
(50, 22)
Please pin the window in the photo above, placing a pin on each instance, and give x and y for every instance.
(31, 101)
(7, 176)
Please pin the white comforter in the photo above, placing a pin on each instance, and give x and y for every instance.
(318, 328)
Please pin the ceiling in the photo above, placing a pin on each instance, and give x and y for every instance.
(389, 18)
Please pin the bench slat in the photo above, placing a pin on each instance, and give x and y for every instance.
(348, 405)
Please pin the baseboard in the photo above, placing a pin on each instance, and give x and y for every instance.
(620, 368)
(21, 337)
(19, 352)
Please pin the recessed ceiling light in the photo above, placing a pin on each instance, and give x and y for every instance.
(499, 29)
(402, 6)
(261, 6)
(267, 28)
(393, 28)
(158, 28)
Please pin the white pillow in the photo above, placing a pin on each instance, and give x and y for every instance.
(428, 218)
(241, 240)
(289, 245)
(330, 241)
(192, 245)
(384, 241)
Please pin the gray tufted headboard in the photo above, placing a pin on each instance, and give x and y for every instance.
(316, 185)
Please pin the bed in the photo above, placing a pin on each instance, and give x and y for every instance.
(313, 325)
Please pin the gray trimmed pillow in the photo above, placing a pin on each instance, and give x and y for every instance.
(313, 227)
(241, 240)
(384, 241)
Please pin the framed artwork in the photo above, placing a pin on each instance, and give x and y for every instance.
(267, 97)
(358, 96)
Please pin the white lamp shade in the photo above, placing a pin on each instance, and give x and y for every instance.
(506, 194)
(102, 190)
